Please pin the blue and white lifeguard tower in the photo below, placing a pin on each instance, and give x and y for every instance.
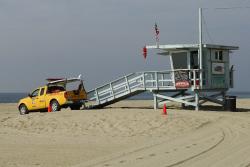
(199, 73)
(197, 78)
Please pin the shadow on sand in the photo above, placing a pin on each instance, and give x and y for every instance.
(202, 108)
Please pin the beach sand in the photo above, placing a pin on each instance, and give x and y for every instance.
(128, 133)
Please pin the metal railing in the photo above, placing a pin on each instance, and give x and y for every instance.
(138, 82)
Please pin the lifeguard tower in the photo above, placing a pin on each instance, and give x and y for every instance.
(197, 78)
(202, 70)
(199, 73)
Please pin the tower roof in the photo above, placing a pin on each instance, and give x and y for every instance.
(177, 47)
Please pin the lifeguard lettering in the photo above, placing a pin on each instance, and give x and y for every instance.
(182, 84)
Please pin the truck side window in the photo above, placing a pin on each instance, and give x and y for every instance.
(35, 93)
(42, 92)
(55, 89)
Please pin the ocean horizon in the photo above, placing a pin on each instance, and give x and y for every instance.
(14, 97)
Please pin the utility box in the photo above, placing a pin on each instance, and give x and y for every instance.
(230, 103)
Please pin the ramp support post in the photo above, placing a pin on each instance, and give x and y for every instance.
(197, 100)
(155, 102)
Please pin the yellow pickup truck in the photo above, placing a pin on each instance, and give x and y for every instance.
(54, 96)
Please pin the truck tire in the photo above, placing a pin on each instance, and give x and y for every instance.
(54, 106)
(23, 109)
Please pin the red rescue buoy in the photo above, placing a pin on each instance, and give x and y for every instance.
(144, 50)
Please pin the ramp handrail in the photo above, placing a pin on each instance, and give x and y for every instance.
(139, 81)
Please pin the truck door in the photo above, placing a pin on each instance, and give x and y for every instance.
(34, 97)
(40, 99)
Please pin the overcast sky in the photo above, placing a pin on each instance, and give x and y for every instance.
(102, 39)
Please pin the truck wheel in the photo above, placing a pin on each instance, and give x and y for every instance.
(23, 109)
(54, 106)
(75, 107)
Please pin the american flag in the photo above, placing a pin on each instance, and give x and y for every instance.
(156, 30)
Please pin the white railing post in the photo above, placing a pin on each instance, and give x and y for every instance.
(156, 80)
(127, 83)
(112, 90)
(173, 77)
(144, 82)
(97, 96)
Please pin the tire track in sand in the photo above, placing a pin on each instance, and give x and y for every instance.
(203, 152)
(158, 154)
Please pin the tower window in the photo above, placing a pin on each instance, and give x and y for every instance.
(219, 55)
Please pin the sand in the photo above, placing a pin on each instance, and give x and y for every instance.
(129, 133)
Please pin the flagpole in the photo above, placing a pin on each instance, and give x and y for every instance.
(157, 35)
(200, 45)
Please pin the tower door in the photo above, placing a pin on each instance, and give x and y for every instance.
(194, 63)
(180, 76)
(179, 60)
